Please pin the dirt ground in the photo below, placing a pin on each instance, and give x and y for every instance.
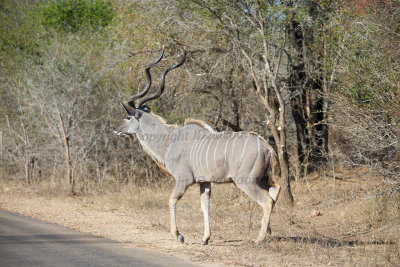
(335, 222)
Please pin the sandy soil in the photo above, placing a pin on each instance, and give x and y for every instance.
(334, 223)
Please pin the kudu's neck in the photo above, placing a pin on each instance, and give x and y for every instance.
(154, 136)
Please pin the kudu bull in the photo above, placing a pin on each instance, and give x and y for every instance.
(195, 153)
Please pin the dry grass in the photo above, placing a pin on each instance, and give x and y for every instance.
(333, 223)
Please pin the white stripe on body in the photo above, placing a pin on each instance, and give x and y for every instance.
(244, 148)
(215, 151)
(233, 146)
(191, 152)
(198, 142)
(208, 148)
(226, 144)
(203, 142)
(201, 153)
(196, 153)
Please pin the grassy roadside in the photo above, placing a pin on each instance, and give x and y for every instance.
(333, 223)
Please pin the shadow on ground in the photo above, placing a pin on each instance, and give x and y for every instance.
(323, 241)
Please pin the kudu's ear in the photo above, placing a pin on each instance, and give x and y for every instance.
(131, 110)
(145, 108)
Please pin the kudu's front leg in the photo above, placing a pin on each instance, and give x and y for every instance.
(205, 192)
(178, 192)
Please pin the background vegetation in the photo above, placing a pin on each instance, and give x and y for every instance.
(318, 79)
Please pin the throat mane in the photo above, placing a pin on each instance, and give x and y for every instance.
(157, 158)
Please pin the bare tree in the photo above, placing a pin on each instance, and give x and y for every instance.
(20, 126)
(259, 40)
(366, 102)
(62, 89)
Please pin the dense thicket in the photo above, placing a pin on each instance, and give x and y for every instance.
(318, 79)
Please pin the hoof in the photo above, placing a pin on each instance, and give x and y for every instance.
(257, 244)
(269, 230)
(180, 238)
(204, 243)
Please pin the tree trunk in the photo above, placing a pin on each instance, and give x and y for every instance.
(283, 156)
(325, 105)
(67, 153)
(305, 85)
(284, 167)
(27, 172)
(68, 164)
(277, 115)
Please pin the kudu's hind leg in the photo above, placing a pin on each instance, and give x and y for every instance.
(177, 193)
(205, 192)
(263, 198)
(267, 206)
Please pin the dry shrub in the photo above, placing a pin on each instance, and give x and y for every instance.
(365, 137)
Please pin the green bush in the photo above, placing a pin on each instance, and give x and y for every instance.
(74, 15)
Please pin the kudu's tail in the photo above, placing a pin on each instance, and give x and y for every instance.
(271, 173)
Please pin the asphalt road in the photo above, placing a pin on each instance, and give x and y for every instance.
(29, 242)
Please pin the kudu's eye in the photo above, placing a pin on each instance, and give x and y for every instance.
(128, 118)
